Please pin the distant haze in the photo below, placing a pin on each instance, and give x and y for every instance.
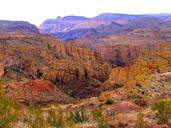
(36, 11)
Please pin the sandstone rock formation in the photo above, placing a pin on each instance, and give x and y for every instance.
(36, 92)
(144, 71)
(35, 56)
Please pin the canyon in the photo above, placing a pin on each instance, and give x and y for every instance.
(119, 63)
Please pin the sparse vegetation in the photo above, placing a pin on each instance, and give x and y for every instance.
(162, 110)
(140, 122)
(97, 114)
(103, 124)
(8, 112)
(2, 83)
(79, 116)
(36, 118)
(99, 118)
(56, 119)
(141, 102)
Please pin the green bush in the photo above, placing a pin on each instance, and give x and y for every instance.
(109, 101)
(97, 114)
(99, 118)
(56, 119)
(8, 112)
(35, 118)
(8, 108)
(2, 82)
(162, 110)
(79, 116)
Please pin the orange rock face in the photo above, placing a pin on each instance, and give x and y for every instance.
(38, 87)
(58, 62)
(36, 92)
(118, 54)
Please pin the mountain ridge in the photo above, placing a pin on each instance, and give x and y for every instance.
(20, 26)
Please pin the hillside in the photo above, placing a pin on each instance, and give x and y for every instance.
(28, 57)
(20, 26)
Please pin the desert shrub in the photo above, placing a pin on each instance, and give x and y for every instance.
(141, 102)
(117, 85)
(70, 123)
(140, 122)
(35, 118)
(2, 82)
(162, 110)
(8, 112)
(72, 93)
(97, 114)
(137, 93)
(103, 124)
(39, 73)
(56, 119)
(109, 101)
(79, 116)
(99, 118)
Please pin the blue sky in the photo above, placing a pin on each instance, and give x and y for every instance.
(36, 11)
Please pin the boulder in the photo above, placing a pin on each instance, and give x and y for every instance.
(36, 92)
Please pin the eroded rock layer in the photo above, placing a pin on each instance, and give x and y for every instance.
(34, 56)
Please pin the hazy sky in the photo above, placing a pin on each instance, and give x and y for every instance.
(36, 11)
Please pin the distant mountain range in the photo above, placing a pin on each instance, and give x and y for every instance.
(117, 38)
(74, 27)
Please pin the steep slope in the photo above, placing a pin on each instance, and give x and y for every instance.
(20, 26)
(120, 48)
(33, 56)
(146, 68)
(39, 51)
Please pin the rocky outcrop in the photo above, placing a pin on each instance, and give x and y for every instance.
(40, 56)
(116, 54)
(36, 92)
(119, 55)
(152, 63)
